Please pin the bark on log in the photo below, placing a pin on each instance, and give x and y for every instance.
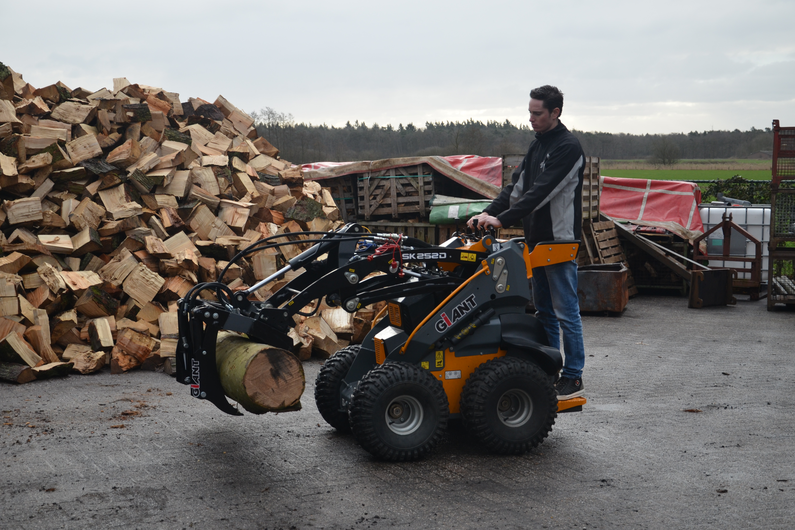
(16, 373)
(259, 377)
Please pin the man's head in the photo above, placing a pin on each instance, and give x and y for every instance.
(546, 106)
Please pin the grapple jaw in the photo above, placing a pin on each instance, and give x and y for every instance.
(196, 366)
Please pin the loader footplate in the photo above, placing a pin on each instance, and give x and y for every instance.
(571, 405)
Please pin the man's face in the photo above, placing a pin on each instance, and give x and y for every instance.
(541, 119)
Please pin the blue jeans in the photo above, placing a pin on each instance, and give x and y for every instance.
(555, 298)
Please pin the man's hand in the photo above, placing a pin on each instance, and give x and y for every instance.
(484, 221)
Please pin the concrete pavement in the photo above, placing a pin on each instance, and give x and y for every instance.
(690, 424)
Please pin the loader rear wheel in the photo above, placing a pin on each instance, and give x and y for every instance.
(509, 405)
(399, 412)
(327, 387)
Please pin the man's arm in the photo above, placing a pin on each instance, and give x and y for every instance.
(561, 166)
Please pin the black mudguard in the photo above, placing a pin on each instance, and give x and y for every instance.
(524, 336)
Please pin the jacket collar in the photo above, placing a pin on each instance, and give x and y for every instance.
(545, 137)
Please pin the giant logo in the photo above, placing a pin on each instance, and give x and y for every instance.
(458, 312)
(195, 374)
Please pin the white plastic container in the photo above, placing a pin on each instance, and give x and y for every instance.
(753, 219)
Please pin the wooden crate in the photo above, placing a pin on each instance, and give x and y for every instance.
(396, 192)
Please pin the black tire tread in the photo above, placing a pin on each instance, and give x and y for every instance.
(372, 386)
(327, 387)
(476, 392)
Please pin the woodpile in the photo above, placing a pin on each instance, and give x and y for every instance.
(116, 202)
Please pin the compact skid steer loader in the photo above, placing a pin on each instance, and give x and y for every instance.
(454, 341)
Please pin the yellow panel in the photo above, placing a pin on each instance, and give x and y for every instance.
(549, 254)
(394, 315)
(466, 365)
(380, 351)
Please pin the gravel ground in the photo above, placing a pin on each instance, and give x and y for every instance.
(688, 425)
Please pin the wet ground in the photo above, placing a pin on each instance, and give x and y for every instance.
(690, 424)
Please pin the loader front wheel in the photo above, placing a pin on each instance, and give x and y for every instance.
(399, 412)
(509, 405)
(327, 387)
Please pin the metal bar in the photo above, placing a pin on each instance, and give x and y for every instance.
(269, 279)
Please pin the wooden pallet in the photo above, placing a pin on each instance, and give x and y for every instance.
(396, 192)
(590, 188)
(606, 247)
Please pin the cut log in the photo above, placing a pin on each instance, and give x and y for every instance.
(52, 278)
(131, 350)
(261, 378)
(340, 322)
(73, 113)
(57, 243)
(83, 148)
(26, 210)
(96, 302)
(117, 269)
(40, 341)
(62, 323)
(16, 373)
(88, 362)
(142, 285)
(14, 262)
(126, 154)
(283, 204)
(9, 326)
(79, 281)
(326, 342)
(14, 349)
(85, 241)
(56, 369)
(100, 334)
(87, 214)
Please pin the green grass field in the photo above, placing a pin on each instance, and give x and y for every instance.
(688, 174)
(711, 169)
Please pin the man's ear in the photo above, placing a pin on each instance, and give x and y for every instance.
(555, 113)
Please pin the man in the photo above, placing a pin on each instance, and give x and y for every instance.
(545, 193)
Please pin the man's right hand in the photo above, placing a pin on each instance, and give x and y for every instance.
(485, 221)
(479, 218)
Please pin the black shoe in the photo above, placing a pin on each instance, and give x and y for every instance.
(568, 388)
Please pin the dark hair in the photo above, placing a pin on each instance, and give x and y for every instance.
(550, 95)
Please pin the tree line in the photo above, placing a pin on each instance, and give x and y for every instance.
(302, 143)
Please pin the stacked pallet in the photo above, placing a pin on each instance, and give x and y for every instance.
(117, 202)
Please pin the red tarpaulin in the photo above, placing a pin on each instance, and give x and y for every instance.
(668, 204)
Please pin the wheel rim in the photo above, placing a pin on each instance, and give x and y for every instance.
(404, 415)
(514, 408)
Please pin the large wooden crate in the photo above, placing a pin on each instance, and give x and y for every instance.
(397, 192)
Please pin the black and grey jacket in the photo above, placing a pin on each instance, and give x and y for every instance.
(546, 189)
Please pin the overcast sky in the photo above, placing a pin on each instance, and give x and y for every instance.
(631, 67)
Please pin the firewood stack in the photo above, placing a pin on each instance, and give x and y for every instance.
(115, 203)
